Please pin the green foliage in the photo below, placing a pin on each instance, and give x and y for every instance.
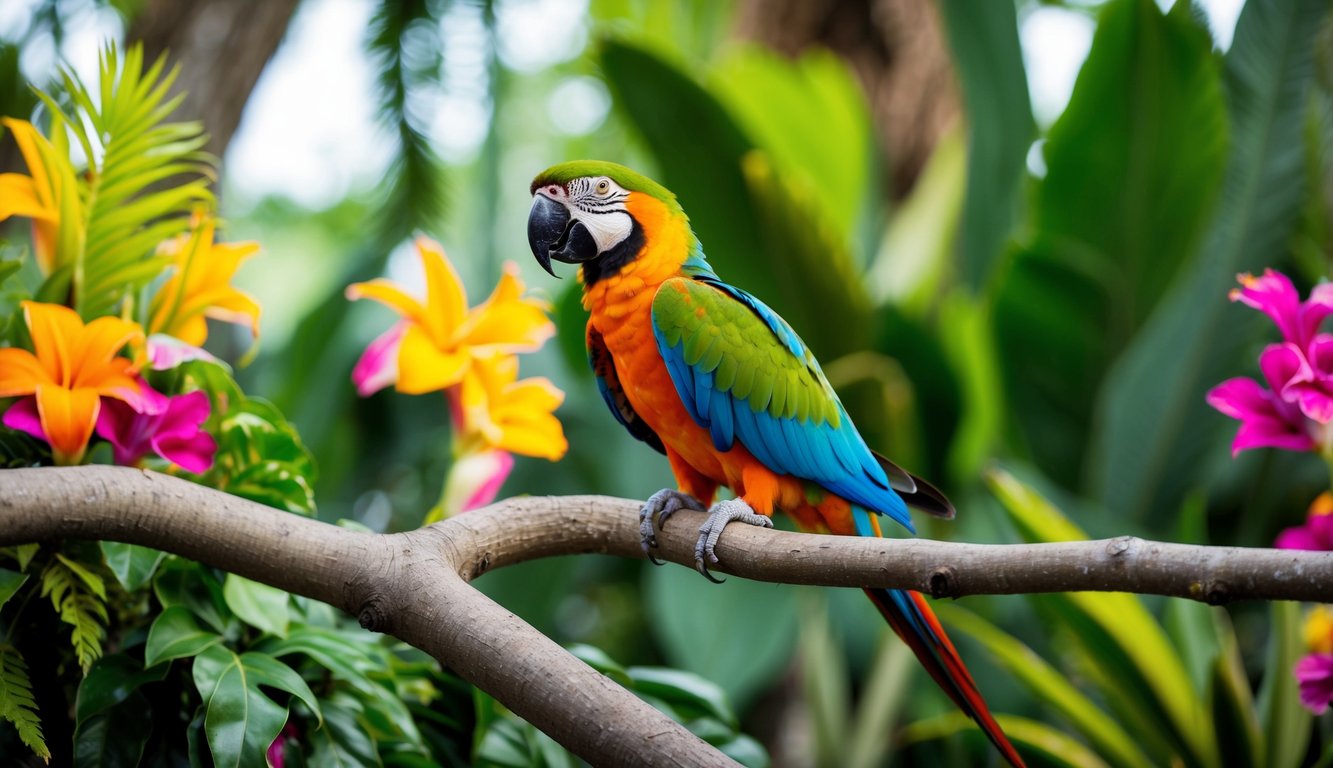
(17, 704)
(79, 597)
(241, 720)
(1132, 167)
(120, 124)
(505, 741)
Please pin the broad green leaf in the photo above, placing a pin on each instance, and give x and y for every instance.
(110, 681)
(1050, 686)
(708, 629)
(189, 584)
(342, 742)
(1116, 630)
(259, 605)
(116, 736)
(1283, 721)
(10, 582)
(17, 704)
(688, 694)
(601, 661)
(1133, 168)
(132, 565)
(241, 719)
(810, 116)
(1155, 430)
(1056, 748)
(175, 635)
(1235, 717)
(983, 40)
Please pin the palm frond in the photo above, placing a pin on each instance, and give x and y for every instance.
(143, 179)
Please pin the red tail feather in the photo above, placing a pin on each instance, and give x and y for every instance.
(912, 619)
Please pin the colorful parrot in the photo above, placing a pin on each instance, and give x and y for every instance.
(708, 375)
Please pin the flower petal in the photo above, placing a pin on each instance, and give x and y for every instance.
(388, 294)
(18, 197)
(67, 418)
(1314, 673)
(53, 329)
(166, 352)
(1284, 364)
(127, 430)
(506, 322)
(1239, 397)
(1273, 294)
(22, 416)
(423, 367)
(446, 301)
(378, 366)
(20, 372)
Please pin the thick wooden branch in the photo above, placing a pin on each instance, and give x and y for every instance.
(414, 585)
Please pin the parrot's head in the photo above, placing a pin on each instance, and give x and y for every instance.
(597, 214)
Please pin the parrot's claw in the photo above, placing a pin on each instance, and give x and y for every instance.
(719, 516)
(658, 508)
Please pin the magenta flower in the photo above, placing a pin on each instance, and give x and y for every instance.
(1314, 674)
(1266, 418)
(1317, 532)
(171, 430)
(166, 352)
(1273, 294)
(378, 366)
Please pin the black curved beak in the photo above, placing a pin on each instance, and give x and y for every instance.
(553, 234)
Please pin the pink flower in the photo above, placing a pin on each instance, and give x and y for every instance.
(1273, 294)
(378, 366)
(166, 352)
(171, 429)
(475, 480)
(1317, 532)
(1314, 673)
(1266, 418)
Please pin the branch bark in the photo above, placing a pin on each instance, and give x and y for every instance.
(414, 586)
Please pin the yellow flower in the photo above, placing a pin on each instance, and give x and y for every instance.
(508, 414)
(41, 195)
(201, 286)
(441, 337)
(73, 367)
(1319, 630)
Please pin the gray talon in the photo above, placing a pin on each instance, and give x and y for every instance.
(719, 516)
(656, 510)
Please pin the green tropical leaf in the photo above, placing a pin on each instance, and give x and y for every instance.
(1139, 670)
(175, 634)
(191, 585)
(10, 582)
(1133, 168)
(259, 605)
(79, 597)
(1284, 722)
(17, 704)
(1049, 685)
(130, 150)
(1236, 718)
(1056, 748)
(115, 737)
(241, 721)
(132, 565)
(1155, 429)
(111, 681)
(689, 695)
(983, 38)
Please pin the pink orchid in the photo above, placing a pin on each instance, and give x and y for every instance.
(166, 352)
(1273, 294)
(1266, 419)
(172, 430)
(1314, 674)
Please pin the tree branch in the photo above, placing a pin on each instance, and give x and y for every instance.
(413, 585)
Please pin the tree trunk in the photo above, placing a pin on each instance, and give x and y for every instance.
(221, 46)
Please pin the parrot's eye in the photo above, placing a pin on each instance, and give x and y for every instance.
(603, 187)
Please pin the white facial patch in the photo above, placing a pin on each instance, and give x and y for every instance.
(607, 229)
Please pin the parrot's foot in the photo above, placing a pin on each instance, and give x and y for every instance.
(723, 512)
(658, 508)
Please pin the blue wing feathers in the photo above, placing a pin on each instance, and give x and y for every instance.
(734, 402)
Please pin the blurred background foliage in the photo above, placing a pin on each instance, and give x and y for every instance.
(991, 277)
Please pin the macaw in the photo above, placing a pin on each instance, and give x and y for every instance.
(708, 375)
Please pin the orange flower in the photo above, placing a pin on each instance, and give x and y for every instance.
(442, 336)
(201, 286)
(74, 366)
(40, 196)
(511, 415)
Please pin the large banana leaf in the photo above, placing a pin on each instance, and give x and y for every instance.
(1154, 430)
(1133, 168)
(983, 38)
